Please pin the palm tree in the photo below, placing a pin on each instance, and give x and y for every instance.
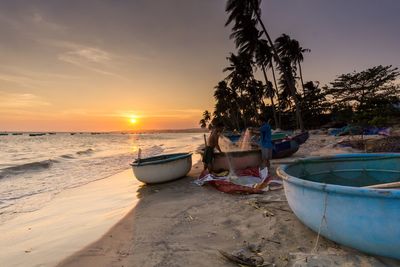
(247, 40)
(206, 118)
(264, 60)
(240, 74)
(255, 95)
(241, 70)
(226, 106)
(206, 115)
(250, 91)
(246, 35)
(238, 11)
(299, 58)
(288, 47)
(203, 123)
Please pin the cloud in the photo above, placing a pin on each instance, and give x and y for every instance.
(77, 111)
(17, 79)
(168, 113)
(38, 27)
(86, 57)
(20, 100)
(31, 79)
(31, 24)
(43, 23)
(88, 54)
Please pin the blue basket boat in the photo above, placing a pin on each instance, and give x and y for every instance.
(329, 195)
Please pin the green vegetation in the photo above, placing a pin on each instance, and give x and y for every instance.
(364, 98)
(367, 97)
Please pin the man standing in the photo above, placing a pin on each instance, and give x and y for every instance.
(212, 143)
(265, 142)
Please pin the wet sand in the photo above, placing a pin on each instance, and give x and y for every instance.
(182, 224)
(74, 218)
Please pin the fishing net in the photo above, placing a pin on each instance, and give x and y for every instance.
(247, 181)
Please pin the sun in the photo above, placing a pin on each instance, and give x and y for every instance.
(133, 120)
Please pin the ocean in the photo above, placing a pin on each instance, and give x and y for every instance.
(34, 169)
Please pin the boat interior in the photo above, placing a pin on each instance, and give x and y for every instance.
(348, 171)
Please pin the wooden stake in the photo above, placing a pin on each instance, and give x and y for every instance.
(385, 185)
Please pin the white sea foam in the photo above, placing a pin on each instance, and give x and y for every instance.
(33, 170)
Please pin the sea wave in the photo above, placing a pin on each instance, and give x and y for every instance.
(67, 156)
(31, 181)
(152, 151)
(85, 152)
(31, 166)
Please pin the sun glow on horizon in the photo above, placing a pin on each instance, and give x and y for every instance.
(133, 119)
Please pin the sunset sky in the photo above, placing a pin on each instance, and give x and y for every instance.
(76, 65)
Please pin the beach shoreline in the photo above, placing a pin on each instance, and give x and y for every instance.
(73, 219)
(183, 224)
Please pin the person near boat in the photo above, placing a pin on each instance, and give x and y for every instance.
(265, 141)
(212, 144)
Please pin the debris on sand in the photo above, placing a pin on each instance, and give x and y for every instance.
(387, 144)
(249, 255)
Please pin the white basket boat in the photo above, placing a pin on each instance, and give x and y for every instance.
(162, 168)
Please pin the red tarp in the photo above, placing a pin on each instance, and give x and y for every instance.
(228, 186)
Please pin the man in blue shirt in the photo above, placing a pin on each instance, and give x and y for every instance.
(265, 142)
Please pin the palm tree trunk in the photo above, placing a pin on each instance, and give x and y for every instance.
(271, 97)
(277, 96)
(237, 121)
(287, 76)
(301, 77)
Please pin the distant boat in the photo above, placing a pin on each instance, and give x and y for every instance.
(16, 133)
(37, 134)
(301, 138)
(284, 149)
(52, 133)
(162, 168)
(72, 133)
(3, 133)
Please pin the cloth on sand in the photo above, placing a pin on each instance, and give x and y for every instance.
(250, 180)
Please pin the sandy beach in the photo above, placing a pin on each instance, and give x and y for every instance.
(75, 218)
(183, 224)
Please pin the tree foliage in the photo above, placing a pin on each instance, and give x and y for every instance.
(367, 96)
(361, 90)
(239, 98)
(314, 104)
(206, 119)
(245, 15)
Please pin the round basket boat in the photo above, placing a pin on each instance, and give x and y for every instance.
(329, 195)
(162, 168)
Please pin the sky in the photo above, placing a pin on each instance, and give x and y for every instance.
(96, 65)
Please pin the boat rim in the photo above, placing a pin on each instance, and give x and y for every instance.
(170, 157)
(341, 189)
